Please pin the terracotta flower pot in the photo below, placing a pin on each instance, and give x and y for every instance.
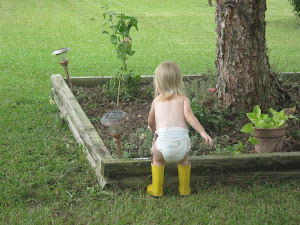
(269, 140)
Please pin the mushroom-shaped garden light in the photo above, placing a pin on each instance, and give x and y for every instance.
(115, 120)
(62, 55)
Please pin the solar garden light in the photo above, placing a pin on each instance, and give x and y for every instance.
(115, 120)
(62, 55)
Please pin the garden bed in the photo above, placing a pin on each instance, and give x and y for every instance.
(222, 124)
(133, 171)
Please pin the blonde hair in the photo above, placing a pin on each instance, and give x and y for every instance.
(168, 81)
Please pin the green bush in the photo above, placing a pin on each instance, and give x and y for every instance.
(296, 4)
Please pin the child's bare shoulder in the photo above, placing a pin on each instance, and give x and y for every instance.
(156, 99)
(183, 98)
(186, 98)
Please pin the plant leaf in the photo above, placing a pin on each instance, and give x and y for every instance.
(274, 112)
(122, 48)
(263, 116)
(114, 39)
(134, 22)
(237, 151)
(281, 113)
(124, 30)
(115, 27)
(105, 32)
(281, 123)
(239, 145)
(269, 120)
(253, 117)
(129, 50)
(248, 128)
(263, 124)
(253, 141)
(229, 148)
(256, 110)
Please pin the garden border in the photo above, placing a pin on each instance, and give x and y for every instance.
(137, 171)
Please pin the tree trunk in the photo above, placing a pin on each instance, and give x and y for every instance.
(210, 2)
(243, 69)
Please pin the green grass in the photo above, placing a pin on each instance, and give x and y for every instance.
(42, 166)
(270, 203)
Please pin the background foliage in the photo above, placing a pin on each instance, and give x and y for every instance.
(296, 4)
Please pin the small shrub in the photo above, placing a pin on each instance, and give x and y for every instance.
(205, 116)
(119, 26)
(206, 108)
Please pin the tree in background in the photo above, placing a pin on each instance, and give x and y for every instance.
(242, 63)
(296, 4)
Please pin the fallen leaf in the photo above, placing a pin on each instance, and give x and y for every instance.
(290, 111)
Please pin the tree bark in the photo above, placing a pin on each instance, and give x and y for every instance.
(243, 69)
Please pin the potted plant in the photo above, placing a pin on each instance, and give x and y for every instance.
(267, 130)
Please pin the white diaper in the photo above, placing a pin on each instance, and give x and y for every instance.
(173, 143)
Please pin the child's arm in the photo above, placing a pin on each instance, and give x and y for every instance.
(193, 121)
(151, 118)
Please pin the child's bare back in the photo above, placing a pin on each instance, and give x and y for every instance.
(170, 113)
(175, 112)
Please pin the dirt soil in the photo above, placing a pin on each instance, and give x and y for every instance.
(95, 104)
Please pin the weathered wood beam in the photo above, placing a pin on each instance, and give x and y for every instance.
(207, 164)
(210, 177)
(146, 79)
(99, 80)
(81, 127)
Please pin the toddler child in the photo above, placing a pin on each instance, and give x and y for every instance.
(170, 111)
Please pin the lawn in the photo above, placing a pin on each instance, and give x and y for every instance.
(45, 177)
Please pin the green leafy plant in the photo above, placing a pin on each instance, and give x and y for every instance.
(213, 116)
(239, 147)
(260, 120)
(210, 112)
(203, 114)
(208, 119)
(119, 26)
(228, 150)
(296, 4)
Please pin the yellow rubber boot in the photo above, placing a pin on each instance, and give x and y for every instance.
(184, 173)
(156, 188)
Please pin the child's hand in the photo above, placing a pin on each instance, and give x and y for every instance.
(207, 138)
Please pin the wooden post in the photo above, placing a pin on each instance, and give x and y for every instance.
(68, 76)
(117, 139)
